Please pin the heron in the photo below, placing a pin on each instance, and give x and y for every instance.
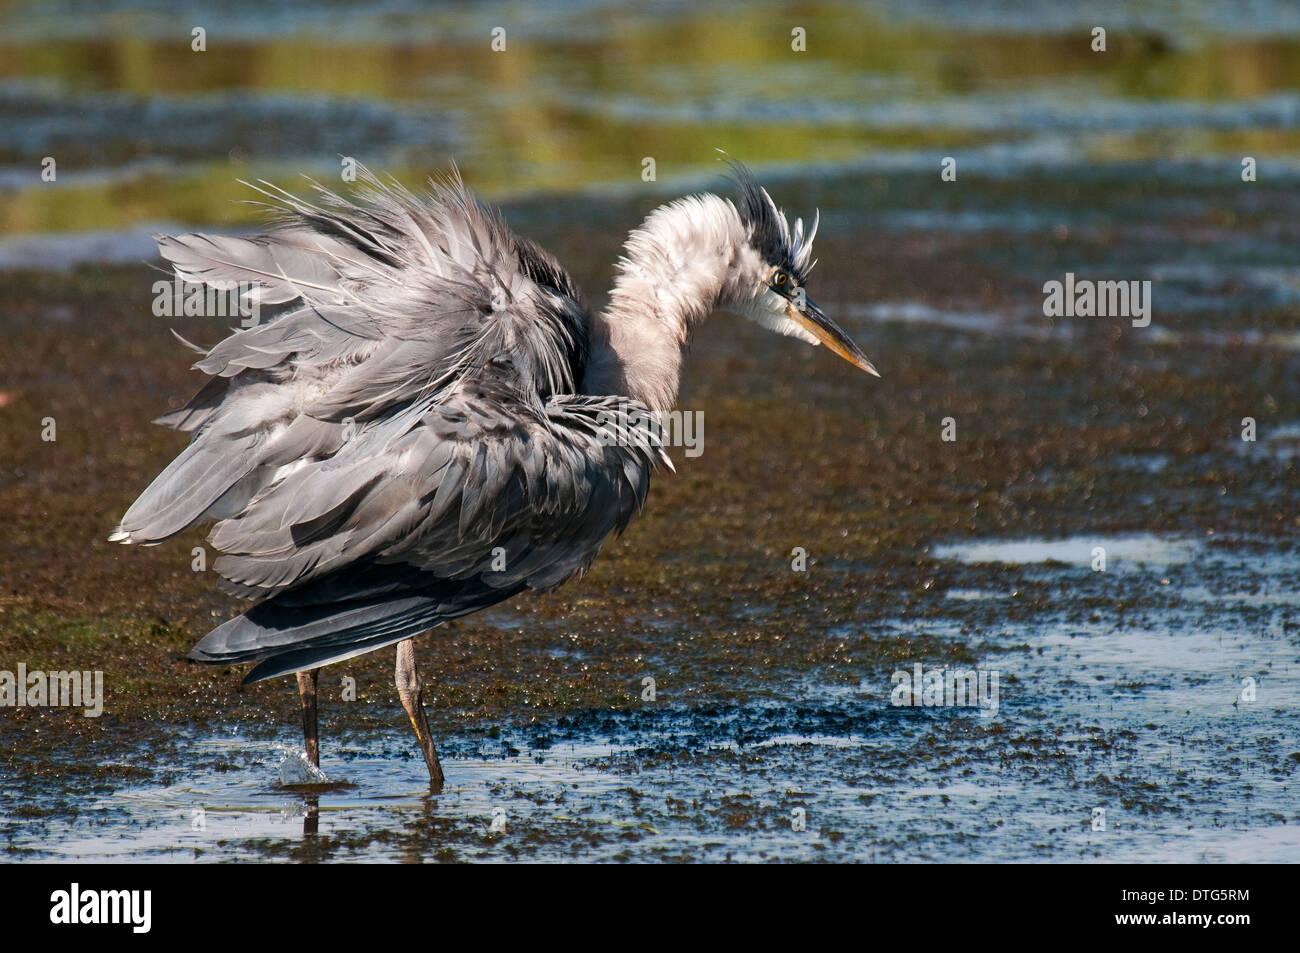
(428, 419)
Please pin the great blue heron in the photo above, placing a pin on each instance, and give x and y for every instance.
(431, 420)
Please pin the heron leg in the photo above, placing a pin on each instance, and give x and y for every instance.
(307, 688)
(409, 689)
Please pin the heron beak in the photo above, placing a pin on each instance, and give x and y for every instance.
(811, 318)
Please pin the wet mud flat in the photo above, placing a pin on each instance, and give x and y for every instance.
(1161, 689)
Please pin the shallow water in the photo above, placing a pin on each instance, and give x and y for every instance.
(1141, 714)
(1080, 550)
(145, 129)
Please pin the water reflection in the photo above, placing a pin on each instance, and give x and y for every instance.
(311, 815)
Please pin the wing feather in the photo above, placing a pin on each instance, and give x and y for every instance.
(406, 414)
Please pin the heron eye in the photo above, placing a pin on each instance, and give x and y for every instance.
(780, 278)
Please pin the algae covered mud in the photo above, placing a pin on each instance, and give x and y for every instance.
(1031, 596)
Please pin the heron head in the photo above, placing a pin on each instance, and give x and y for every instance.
(770, 279)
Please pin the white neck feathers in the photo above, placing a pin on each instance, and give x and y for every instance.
(676, 268)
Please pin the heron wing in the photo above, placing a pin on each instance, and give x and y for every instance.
(429, 515)
(376, 306)
(400, 442)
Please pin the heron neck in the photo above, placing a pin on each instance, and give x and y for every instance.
(672, 275)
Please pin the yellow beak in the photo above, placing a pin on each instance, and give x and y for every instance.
(829, 333)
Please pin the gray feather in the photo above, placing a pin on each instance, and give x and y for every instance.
(409, 411)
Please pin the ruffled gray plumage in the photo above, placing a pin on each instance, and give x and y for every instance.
(401, 441)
